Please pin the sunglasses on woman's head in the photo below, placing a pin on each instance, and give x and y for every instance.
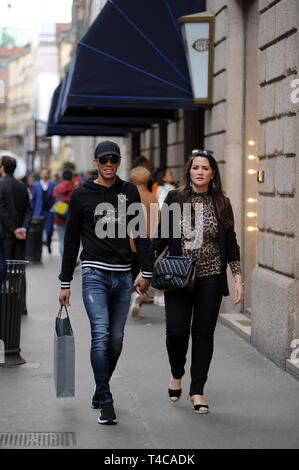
(202, 153)
(112, 159)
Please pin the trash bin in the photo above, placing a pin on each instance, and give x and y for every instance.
(34, 242)
(12, 301)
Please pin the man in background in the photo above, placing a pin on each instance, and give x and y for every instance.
(42, 202)
(15, 211)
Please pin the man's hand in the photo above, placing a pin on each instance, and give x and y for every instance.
(64, 298)
(141, 285)
(21, 233)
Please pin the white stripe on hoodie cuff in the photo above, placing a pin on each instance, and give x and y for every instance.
(147, 274)
(65, 285)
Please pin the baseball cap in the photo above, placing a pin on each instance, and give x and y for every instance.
(107, 148)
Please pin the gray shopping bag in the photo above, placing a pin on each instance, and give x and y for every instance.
(64, 357)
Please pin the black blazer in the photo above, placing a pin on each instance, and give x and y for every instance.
(228, 246)
(15, 210)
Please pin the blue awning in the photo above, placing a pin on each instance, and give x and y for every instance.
(131, 61)
(88, 118)
(81, 129)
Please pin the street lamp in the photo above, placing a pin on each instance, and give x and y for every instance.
(199, 35)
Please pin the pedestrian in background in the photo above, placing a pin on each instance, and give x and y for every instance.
(140, 177)
(15, 212)
(41, 204)
(164, 178)
(217, 248)
(77, 180)
(90, 174)
(144, 162)
(106, 262)
(28, 180)
(63, 192)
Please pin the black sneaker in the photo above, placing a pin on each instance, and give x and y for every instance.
(107, 415)
(95, 402)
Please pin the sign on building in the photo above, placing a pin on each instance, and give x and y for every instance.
(199, 34)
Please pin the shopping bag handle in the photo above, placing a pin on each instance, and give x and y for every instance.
(59, 319)
(60, 311)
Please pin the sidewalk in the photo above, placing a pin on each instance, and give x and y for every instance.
(254, 404)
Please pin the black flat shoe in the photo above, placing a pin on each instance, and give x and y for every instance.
(174, 395)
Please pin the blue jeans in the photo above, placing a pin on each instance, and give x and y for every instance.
(106, 296)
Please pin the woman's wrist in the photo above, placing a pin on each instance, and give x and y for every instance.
(238, 279)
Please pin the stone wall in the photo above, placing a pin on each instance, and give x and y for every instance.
(224, 122)
(274, 299)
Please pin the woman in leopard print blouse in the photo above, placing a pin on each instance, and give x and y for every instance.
(207, 235)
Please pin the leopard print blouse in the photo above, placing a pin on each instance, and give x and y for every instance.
(201, 244)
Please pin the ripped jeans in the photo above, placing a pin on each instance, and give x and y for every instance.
(106, 296)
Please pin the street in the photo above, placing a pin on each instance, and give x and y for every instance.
(254, 404)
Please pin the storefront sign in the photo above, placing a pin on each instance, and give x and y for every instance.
(198, 34)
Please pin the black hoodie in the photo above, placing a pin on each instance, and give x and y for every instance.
(89, 223)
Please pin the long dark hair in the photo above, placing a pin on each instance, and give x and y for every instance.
(222, 202)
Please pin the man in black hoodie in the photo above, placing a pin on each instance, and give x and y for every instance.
(98, 217)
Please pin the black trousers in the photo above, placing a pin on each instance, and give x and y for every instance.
(14, 248)
(195, 312)
(2, 262)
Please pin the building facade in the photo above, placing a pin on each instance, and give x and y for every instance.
(5, 52)
(252, 127)
(19, 104)
(32, 75)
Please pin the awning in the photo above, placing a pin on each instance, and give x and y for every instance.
(131, 62)
(86, 118)
(81, 129)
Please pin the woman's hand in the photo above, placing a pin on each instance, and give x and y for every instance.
(239, 289)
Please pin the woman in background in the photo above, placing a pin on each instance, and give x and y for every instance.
(164, 176)
(140, 177)
(165, 180)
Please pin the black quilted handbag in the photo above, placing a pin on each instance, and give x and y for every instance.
(174, 273)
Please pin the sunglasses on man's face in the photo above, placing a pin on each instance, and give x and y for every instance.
(114, 159)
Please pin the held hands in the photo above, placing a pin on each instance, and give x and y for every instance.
(141, 285)
(64, 297)
(21, 233)
(239, 289)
